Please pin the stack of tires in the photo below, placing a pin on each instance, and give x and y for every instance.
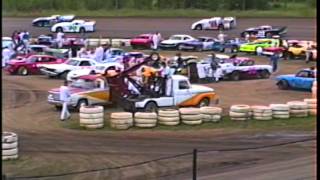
(121, 120)
(314, 89)
(240, 112)
(211, 114)
(312, 106)
(298, 109)
(262, 112)
(145, 119)
(91, 117)
(9, 146)
(168, 117)
(190, 116)
(280, 111)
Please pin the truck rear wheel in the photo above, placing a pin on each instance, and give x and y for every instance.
(151, 107)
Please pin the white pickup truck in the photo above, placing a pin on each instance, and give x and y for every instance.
(179, 93)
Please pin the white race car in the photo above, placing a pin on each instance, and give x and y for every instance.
(49, 21)
(175, 41)
(99, 69)
(215, 23)
(77, 26)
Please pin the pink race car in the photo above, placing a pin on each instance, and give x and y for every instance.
(29, 65)
(142, 41)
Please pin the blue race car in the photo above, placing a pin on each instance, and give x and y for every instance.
(302, 80)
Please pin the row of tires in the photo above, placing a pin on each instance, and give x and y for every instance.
(9, 146)
(93, 117)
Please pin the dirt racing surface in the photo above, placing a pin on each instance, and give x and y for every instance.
(298, 28)
(47, 147)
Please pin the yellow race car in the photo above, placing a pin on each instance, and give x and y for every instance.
(297, 49)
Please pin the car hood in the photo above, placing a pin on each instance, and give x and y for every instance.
(285, 76)
(201, 89)
(71, 89)
(169, 41)
(193, 42)
(42, 18)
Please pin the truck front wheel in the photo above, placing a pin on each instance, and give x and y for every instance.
(151, 107)
(204, 102)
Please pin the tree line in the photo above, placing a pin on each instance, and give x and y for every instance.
(40, 5)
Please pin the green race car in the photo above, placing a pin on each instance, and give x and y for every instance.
(258, 45)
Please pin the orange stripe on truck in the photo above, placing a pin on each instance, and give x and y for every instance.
(195, 100)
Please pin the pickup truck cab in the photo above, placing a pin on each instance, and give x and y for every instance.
(179, 93)
(86, 90)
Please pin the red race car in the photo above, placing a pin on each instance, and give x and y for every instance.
(142, 41)
(29, 65)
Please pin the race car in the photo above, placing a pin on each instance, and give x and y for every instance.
(302, 80)
(175, 41)
(26, 66)
(258, 45)
(75, 26)
(199, 44)
(142, 41)
(218, 23)
(297, 49)
(264, 31)
(51, 20)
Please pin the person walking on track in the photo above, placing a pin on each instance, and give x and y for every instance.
(64, 98)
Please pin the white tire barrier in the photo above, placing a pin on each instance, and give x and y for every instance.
(261, 112)
(9, 146)
(91, 117)
(312, 106)
(211, 114)
(145, 119)
(298, 108)
(190, 116)
(280, 111)
(240, 112)
(168, 117)
(121, 120)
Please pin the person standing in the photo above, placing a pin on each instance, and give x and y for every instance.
(64, 98)
(221, 37)
(308, 52)
(159, 38)
(99, 53)
(274, 61)
(59, 39)
(214, 66)
(155, 41)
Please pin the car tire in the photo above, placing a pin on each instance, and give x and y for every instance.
(59, 29)
(291, 55)
(179, 47)
(235, 76)
(58, 108)
(204, 102)
(82, 30)
(82, 102)
(264, 74)
(198, 27)
(23, 71)
(220, 27)
(283, 85)
(198, 49)
(64, 75)
(269, 35)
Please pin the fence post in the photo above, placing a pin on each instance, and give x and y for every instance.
(194, 171)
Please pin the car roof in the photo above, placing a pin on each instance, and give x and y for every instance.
(81, 59)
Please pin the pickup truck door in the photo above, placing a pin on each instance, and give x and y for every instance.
(100, 94)
(181, 92)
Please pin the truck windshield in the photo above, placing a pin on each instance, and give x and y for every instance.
(84, 84)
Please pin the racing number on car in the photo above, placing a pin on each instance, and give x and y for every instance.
(73, 28)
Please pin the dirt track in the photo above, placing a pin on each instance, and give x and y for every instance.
(298, 28)
(48, 148)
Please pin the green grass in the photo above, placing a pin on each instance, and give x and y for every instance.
(298, 124)
(291, 11)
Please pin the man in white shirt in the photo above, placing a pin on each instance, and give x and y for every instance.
(159, 38)
(99, 53)
(155, 41)
(64, 98)
(221, 36)
(59, 39)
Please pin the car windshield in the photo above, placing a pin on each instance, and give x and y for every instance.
(82, 83)
(72, 62)
(175, 38)
(32, 59)
(6, 43)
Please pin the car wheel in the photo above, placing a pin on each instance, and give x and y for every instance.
(58, 108)
(82, 30)
(268, 35)
(82, 102)
(23, 71)
(264, 74)
(199, 49)
(199, 27)
(258, 49)
(151, 107)
(234, 49)
(59, 29)
(64, 75)
(220, 27)
(204, 102)
(235, 76)
(179, 47)
(291, 55)
(283, 85)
